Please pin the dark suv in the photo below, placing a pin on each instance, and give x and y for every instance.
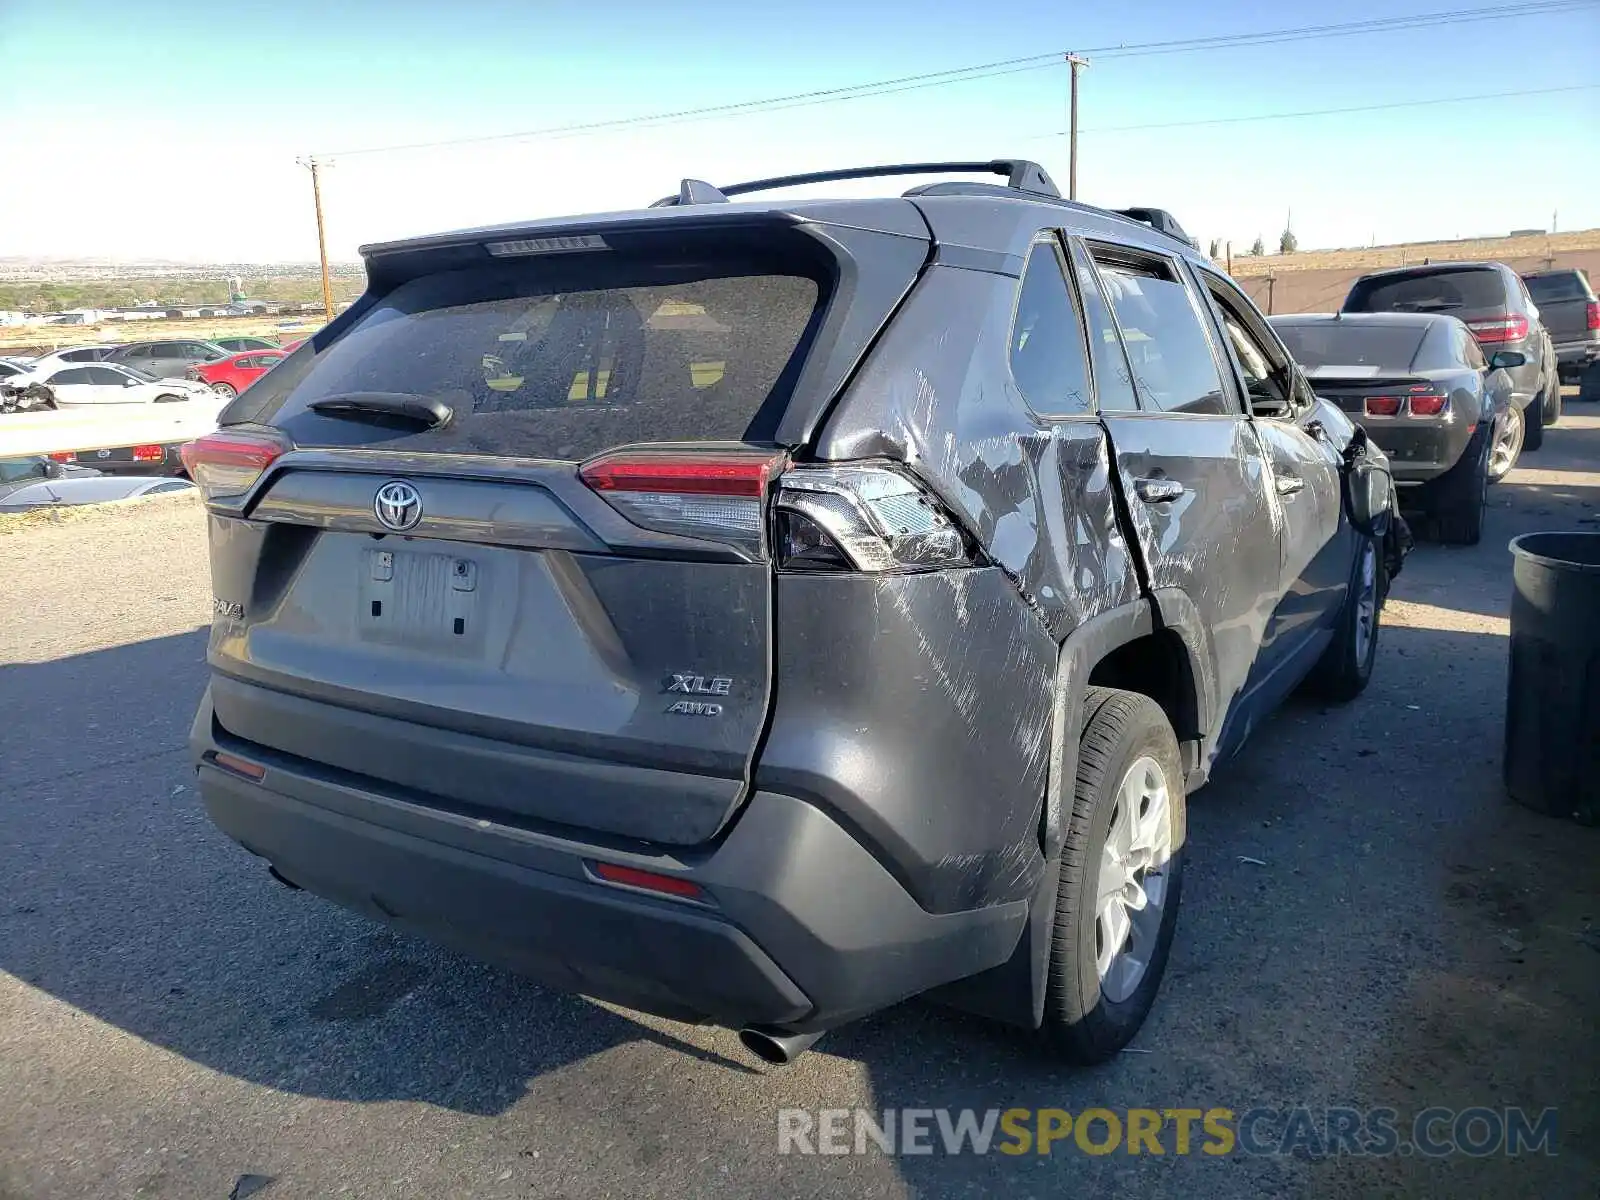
(1494, 302)
(765, 612)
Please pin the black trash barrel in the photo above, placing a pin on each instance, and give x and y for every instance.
(1552, 755)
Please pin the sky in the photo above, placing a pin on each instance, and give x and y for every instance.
(171, 129)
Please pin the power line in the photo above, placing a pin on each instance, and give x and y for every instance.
(1325, 112)
(954, 75)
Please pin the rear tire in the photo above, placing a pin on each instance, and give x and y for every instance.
(1129, 786)
(1552, 400)
(1589, 383)
(1461, 494)
(1533, 426)
(1345, 668)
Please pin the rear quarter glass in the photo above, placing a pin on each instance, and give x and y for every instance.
(563, 360)
(1453, 292)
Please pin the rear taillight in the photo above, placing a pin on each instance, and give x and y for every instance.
(227, 462)
(1383, 406)
(65, 456)
(713, 495)
(1591, 315)
(149, 454)
(1503, 327)
(1425, 401)
(862, 517)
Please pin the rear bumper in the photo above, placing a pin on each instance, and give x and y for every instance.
(801, 927)
(1419, 451)
(1578, 353)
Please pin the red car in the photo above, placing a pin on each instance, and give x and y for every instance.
(230, 376)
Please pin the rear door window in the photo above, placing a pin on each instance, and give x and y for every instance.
(1454, 292)
(1174, 368)
(566, 365)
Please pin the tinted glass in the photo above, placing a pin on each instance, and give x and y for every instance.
(71, 375)
(78, 355)
(533, 368)
(166, 350)
(1171, 356)
(1113, 381)
(1568, 285)
(1442, 291)
(106, 377)
(1046, 340)
(14, 469)
(1338, 344)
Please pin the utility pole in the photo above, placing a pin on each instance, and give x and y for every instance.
(1230, 258)
(322, 236)
(1077, 62)
(1271, 282)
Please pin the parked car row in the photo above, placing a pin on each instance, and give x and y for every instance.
(35, 481)
(1455, 370)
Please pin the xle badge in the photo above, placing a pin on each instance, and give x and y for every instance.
(699, 685)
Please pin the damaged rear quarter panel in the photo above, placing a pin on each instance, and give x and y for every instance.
(916, 709)
(1036, 494)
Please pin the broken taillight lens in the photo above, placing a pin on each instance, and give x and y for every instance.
(862, 517)
(229, 461)
(713, 495)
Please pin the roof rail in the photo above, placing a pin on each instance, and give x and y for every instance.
(1021, 175)
(1160, 220)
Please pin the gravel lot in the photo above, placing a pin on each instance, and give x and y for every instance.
(170, 1019)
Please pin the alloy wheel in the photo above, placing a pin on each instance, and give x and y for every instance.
(1134, 868)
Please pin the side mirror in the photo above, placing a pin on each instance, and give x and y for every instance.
(128, 381)
(1504, 360)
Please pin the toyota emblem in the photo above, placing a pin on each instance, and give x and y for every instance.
(398, 506)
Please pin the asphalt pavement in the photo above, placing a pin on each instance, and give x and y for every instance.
(1367, 922)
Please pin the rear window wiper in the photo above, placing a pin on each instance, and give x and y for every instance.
(386, 407)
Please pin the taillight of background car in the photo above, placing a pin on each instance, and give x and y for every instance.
(1502, 327)
(1422, 400)
(1591, 315)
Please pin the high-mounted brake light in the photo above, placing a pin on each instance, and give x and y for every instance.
(568, 244)
(711, 495)
(1502, 327)
(227, 462)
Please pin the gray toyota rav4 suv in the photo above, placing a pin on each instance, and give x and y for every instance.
(764, 612)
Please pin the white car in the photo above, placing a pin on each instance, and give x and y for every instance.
(69, 354)
(53, 493)
(81, 385)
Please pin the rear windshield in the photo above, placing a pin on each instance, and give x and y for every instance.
(1568, 285)
(535, 366)
(1392, 347)
(1443, 291)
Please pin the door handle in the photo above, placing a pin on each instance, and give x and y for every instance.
(1157, 490)
(1288, 485)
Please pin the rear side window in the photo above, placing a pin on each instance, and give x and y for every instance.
(1046, 339)
(1568, 285)
(544, 366)
(1113, 380)
(1173, 364)
(1441, 291)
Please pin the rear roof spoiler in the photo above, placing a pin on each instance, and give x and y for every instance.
(1021, 175)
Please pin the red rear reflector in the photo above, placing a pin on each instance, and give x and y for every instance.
(1383, 406)
(226, 463)
(1510, 327)
(669, 885)
(239, 766)
(150, 453)
(1592, 315)
(687, 474)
